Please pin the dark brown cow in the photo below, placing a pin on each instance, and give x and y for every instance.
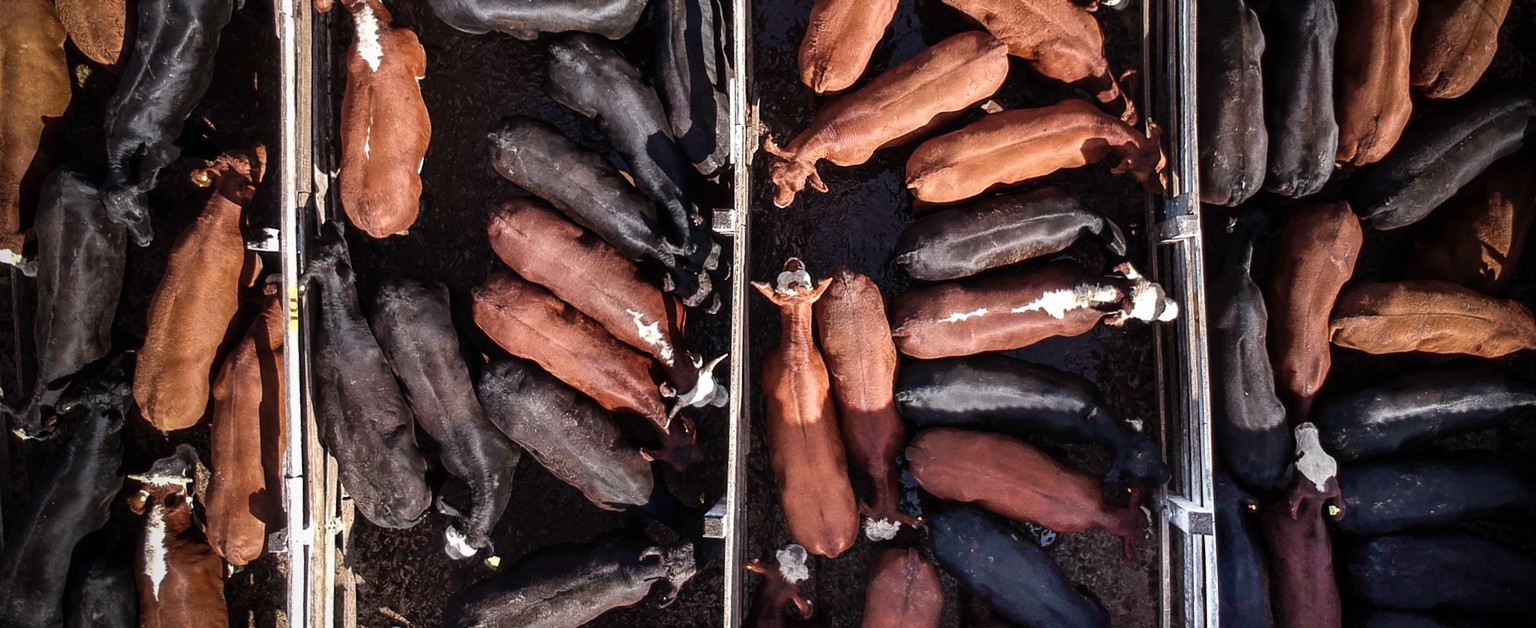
(803, 440)
(384, 123)
(192, 312)
(1305, 594)
(246, 442)
(99, 29)
(529, 322)
(861, 358)
(1016, 146)
(588, 273)
(779, 589)
(1453, 44)
(34, 96)
(897, 106)
(1317, 255)
(1060, 39)
(1006, 476)
(180, 578)
(1476, 238)
(1429, 317)
(839, 39)
(903, 592)
(1371, 93)
(1005, 312)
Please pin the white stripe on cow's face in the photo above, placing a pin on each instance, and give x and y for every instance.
(369, 46)
(154, 548)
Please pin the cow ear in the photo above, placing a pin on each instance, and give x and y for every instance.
(137, 502)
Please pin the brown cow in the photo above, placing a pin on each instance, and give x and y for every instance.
(1005, 312)
(99, 29)
(839, 39)
(1015, 146)
(1453, 44)
(780, 587)
(897, 106)
(529, 322)
(34, 97)
(1476, 238)
(246, 442)
(803, 440)
(1060, 39)
(1011, 478)
(588, 273)
(1429, 317)
(180, 579)
(382, 112)
(1301, 575)
(1371, 93)
(1317, 255)
(903, 592)
(856, 337)
(192, 312)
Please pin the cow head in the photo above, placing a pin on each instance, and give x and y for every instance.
(328, 254)
(677, 568)
(793, 286)
(167, 483)
(790, 174)
(235, 174)
(678, 445)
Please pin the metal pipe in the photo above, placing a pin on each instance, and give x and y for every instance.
(293, 471)
(740, 433)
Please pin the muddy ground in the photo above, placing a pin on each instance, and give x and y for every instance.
(240, 109)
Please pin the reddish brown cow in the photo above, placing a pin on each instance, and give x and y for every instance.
(192, 312)
(1453, 44)
(180, 578)
(246, 442)
(1008, 477)
(856, 337)
(1317, 255)
(1476, 238)
(1305, 593)
(903, 592)
(1060, 39)
(34, 97)
(99, 29)
(384, 123)
(1371, 93)
(841, 36)
(899, 105)
(803, 440)
(1005, 312)
(1015, 146)
(586, 272)
(529, 322)
(1429, 317)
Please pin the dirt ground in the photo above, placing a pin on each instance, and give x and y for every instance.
(239, 110)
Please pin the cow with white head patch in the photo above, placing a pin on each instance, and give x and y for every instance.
(180, 578)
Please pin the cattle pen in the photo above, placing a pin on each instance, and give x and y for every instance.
(280, 79)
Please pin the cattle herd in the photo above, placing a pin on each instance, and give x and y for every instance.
(1342, 498)
(1317, 170)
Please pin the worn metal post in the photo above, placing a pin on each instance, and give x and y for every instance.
(294, 488)
(743, 141)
